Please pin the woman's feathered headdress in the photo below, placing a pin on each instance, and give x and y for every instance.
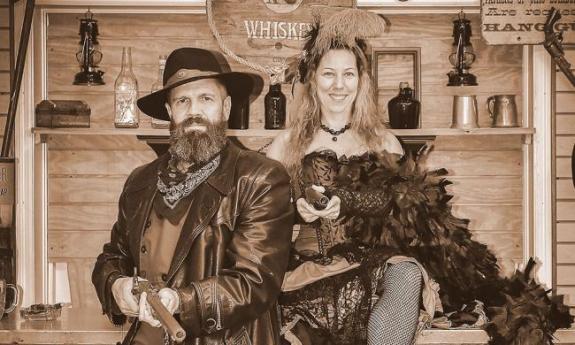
(347, 28)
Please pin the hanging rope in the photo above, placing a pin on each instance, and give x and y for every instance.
(275, 72)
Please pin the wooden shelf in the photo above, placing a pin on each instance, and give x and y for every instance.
(272, 133)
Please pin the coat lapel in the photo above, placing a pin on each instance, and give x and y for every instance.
(205, 203)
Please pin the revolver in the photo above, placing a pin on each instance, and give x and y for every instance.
(170, 324)
(553, 44)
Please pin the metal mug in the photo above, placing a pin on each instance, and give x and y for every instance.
(502, 110)
(464, 112)
(5, 309)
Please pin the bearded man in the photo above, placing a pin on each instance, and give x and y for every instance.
(207, 223)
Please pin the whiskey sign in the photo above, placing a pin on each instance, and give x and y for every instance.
(269, 28)
(522, 21)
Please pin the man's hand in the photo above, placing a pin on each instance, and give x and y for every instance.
(126, 301)
(169, 298)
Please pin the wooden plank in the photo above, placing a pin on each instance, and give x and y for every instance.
(565, 275)
(565, 102)
(487, 191)
(562, 83)
(4, 39)
(568, 292)
(4, 17)
(64, 244)
(96, 142)
(123, 24)
(565, 189)
(145, 51)
(475, 163)
(84, 217)
(4, 60)
(82, 292)
(505, 245)
(97, 162)
(491, 217)
(564, 145)
(85, 189)
(4, 103)
(566, 254)
(565, 124)
(566, 232)
(478, 143)
(563, 167)
(565, 210)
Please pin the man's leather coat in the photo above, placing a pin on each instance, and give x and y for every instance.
(230, 260)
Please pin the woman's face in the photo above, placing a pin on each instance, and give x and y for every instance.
(337, 79)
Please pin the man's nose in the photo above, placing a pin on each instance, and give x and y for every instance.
(194, 109)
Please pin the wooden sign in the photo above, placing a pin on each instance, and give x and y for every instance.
(267, 28)
(522, 21)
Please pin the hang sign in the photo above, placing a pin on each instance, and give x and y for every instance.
(523, 21)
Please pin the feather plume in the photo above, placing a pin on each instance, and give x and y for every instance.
(345, 27)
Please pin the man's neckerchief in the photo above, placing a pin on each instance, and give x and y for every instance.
(175, 186)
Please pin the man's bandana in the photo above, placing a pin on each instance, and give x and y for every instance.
(174, 186)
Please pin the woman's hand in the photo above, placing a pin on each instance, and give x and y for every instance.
(309, 213)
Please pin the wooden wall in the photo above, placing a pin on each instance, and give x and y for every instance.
(565, 192)
(87, 172)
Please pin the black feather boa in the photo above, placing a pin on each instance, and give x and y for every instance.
(420, 224)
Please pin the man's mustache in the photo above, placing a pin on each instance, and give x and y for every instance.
(195, 120)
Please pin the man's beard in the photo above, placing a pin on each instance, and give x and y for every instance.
(196, 146)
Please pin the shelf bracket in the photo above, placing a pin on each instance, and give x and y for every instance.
(412, 144)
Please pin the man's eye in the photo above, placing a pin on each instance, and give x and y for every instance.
(182, 100)
(207, 98)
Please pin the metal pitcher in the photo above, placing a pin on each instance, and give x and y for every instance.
(464, 112)
(502, 110)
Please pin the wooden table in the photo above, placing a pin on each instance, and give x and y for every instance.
(75, 326)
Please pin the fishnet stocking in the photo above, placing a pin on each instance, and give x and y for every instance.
(394, 317)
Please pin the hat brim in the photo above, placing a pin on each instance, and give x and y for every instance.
(240, 86)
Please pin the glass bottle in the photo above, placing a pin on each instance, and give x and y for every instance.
(403, 109)
(126, 94)
(158, 85)
(275, 108)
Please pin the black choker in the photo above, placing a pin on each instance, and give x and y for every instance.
(334, 132)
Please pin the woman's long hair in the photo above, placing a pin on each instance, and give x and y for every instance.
(306, 121)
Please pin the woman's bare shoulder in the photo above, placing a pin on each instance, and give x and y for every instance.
(389, 142)
(279, 145)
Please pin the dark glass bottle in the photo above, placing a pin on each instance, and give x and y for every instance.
(403, 109)
(275, 108)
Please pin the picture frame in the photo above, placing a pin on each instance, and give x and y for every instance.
(392, 65)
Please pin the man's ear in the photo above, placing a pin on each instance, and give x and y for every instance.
(227, 108)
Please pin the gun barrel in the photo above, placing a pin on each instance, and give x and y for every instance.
(176, 332)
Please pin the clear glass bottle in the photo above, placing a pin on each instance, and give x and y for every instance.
(275, 108)
(158, 85)
(126, 94)
(403, 109)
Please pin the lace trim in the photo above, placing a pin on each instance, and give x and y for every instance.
(174, 193)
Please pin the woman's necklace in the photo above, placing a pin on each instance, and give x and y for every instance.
(334, 132)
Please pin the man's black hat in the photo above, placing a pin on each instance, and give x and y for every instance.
(185, 65)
